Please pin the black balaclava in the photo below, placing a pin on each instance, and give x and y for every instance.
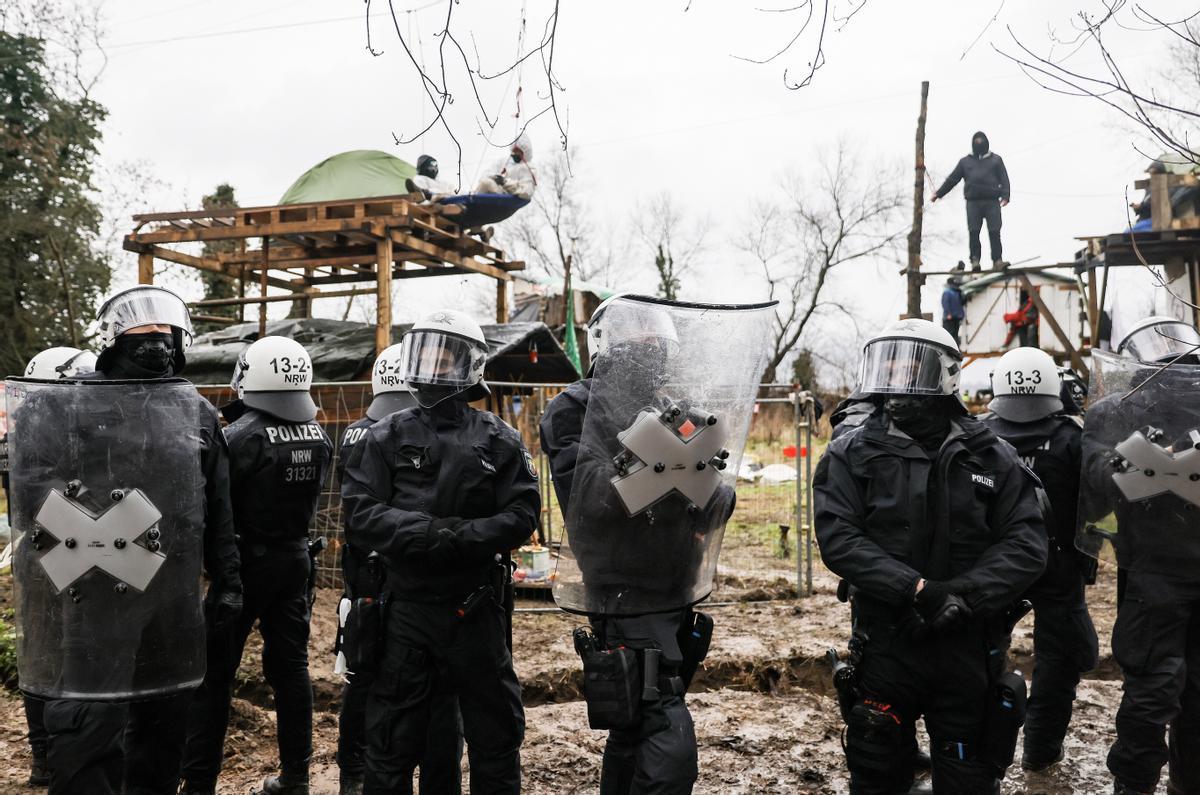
(427, 166)
(979, 144)
(143, 356)
(923, 417)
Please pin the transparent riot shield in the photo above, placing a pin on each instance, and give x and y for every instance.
(1140, 481)
(670, 403)
(106, 496)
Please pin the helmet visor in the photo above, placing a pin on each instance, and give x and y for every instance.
(430, 357)
(631, 321)
(1162, 341)
(905, 367)
(147, 308)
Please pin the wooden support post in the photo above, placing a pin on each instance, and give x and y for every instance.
(383, 294)
(146, 267)
(915, 279)
(262, 286)
(501, 301)
(1044, 311)
(1160, 202)
(241, 282)
(1093, 310)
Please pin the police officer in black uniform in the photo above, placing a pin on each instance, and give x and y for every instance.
(279, 458)
(136, 747)
(443, 492)
(936, 525)
(364, 579)
(657, 751)
(1147, 405)
(1028, 413)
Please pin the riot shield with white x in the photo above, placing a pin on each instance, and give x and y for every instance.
(686, 459)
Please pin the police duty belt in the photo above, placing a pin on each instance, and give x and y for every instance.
(102, 540)
(1145, 469)
(664, 453)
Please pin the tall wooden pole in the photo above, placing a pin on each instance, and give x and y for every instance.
(915, 279)
(262, 286)
(383, 294)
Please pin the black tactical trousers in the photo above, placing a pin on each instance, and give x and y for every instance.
(95, 746)
(1156, 641)
(944, 679)
(441, 770)
(659, 756)
(275, 579)
(35, 719)
(978, 211)
(426, 645)
(1064, 646)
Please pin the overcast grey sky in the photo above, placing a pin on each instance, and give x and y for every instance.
(655, 101)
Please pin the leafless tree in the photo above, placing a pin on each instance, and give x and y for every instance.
(815, 20)
(559, 224)
(672, 239)
(442, 80)
(844, 213)
(1167, 112)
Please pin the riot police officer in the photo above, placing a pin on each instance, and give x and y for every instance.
(1028, 412)
(641, 541)
(279, 456)
(1139, 436)
(443, 492)
(935, 524)
(48, 365)
(365, 582)
(157, 445)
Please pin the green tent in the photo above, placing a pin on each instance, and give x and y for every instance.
(359, 174)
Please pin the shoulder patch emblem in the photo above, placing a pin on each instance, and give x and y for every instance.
(529, 464)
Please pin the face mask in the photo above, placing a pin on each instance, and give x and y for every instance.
(922, 418)
(153, 352)
(430, 395)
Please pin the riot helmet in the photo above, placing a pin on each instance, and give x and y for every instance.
(443, 356)
(1026, 386)
(274, 375)
(130, 312)
(1160, 339)
(911, 357)
(620, 321)
(53, 364)
(390, 393)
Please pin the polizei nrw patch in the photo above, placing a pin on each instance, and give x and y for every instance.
(987, 481)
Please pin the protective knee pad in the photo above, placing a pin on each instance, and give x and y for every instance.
(876, 742)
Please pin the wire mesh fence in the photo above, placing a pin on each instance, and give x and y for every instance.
(765, 539)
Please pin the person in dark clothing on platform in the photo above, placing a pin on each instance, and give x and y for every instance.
(135, 747)
(952, 306)
(365, 580)
(279, 457)
(443, 492)
(986, 190)
(1028, 413)
(936, 527)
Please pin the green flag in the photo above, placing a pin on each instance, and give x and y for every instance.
(570, 344)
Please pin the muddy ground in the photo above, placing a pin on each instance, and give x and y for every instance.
(765, 715)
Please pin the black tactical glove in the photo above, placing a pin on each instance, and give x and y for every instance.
(942, 610)
(441, 541)
(226, 607)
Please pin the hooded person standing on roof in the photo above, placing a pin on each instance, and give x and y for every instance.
(986, 190)
(514, 176)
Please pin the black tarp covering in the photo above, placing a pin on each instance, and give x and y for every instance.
(344, 351)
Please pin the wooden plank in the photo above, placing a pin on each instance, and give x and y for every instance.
(146, 267)
(1160, 202)
(1044, 311)
(270, 299)
(260, 228)
(452, 257)
(262, 286)
(199, 263)
(383, 295)
(501, 301)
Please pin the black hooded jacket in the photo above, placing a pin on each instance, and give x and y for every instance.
(452, 461)
(887, 515)
(984, 175)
